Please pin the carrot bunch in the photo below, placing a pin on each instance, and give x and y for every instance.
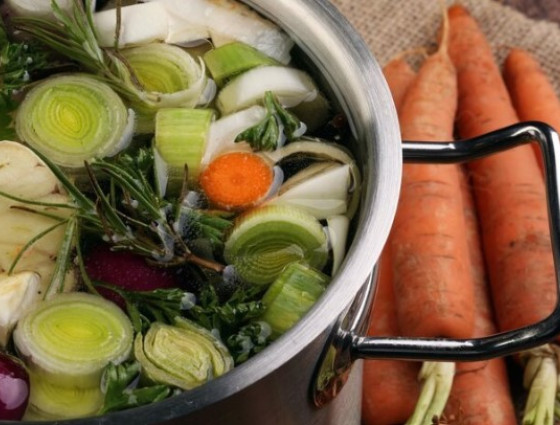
(498, 203)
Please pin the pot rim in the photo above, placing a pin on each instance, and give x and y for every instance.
(338, 51)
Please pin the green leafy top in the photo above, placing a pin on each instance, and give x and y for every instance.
(277, 124)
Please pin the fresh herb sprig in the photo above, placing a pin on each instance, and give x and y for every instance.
(119, 385)
(226, 316)
(278, 124)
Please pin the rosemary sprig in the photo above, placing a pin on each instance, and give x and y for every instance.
(73, 35)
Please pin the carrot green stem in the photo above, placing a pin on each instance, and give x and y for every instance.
(436, 378)
(541, 379)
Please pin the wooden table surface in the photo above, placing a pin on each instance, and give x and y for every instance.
(537, 9)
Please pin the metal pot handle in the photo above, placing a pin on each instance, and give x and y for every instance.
(347, 343)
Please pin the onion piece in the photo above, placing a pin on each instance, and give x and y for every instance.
(326, 152)
(185, 355)
(71, 337)
(72, 118)
(224, 131)
(291, 86)
(337, 228)
(321, 189)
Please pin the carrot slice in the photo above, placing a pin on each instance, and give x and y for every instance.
(237, 180)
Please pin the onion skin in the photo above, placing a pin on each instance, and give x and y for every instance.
(14, 388)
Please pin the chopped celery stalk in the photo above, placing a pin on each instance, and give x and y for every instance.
(291, 86)
(48, 401)
(540, 377)
(71, 337)
(291, 295)
(180, 139)
(436, 379)
(183, 355)
(232, 59)
(18, 293)
(73, 118)
(266, 239)
(27, 183)
(337, 228)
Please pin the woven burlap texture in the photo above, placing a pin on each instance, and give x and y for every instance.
(390, 27)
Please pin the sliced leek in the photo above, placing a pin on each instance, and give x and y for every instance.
(291, 295)
(233, 59)
(183, 355)
(266, 239)
(180, 139)
(48, 401)
(18, 294)
(72, 118)
(71, 337)
(169, 76)
(291, 86)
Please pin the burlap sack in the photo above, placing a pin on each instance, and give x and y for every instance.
(392, 26)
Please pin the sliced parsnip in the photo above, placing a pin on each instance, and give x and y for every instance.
(24, 175)
(18, 293)
(36, 8)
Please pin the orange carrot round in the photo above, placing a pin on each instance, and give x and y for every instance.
(509, 189)
(532, 92)
(428, 245)
(237, 180)
(390, 388)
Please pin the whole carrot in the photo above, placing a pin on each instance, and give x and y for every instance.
(390, 388)
(399, 76)
(480, 393)
(531, 90)
(429, 248)
(508, 187)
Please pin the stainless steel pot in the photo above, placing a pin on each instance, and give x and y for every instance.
(307, 377)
